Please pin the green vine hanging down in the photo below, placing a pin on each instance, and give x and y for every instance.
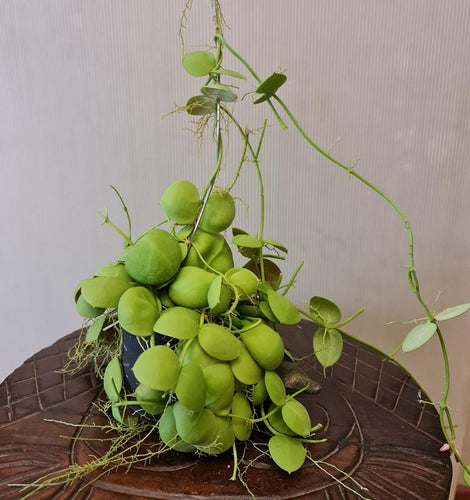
(206, 375)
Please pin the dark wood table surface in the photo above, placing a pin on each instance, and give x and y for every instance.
(378, 433)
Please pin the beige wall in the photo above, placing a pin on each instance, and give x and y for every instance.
(83, 89)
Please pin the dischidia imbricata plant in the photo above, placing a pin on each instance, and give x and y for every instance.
(207, 372)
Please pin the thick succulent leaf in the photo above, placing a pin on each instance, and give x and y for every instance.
(288, 453)
(198, 62)
(323, 311)
(285, 312)
(296, 417)
(178, 322)
(104, 291)
(275, 387)
(418, 336)
(452, 312)
(327, 346)
(157, 367)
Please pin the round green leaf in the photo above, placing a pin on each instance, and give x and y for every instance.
(112, 380)
(116, 270)
(198, 62)
(296, 417)
(215, 289)
(196, 428)
(218, 91)
(452, 312)
(271, 84)
(199, 105)
(275, 388)
(327, 346)
(285, 312)
(324, 312)
(418, 336)
(104, 291)
(157, 368)
(169, 434)
(288, 453)
(138, 309)
(178, 322)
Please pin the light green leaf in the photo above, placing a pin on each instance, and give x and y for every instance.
(178, 322)
(288, 453)
(418, 336)
(296, 417)
(157, 367)
(228, 72)
(213, 295)
(104, 291)
(198, 62)
(94, 330)
(327, 346)
(112, 380)
(285, 312)
(324, 312)
(276, 244)
(275, 387)
(270, 86)
(246, 240)
(452, 312)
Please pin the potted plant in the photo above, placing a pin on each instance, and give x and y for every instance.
(186, 340)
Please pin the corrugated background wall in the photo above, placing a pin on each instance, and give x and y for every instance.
(84, 87)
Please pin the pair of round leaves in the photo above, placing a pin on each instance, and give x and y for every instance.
(154, 258)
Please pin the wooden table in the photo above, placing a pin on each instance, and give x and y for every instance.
(378, 432)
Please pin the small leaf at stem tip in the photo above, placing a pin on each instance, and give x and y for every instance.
(418, 336)
(324, 312)
(229, 72)
(271, 84)
(327, 346)
(246, 240)
(198, 62)
(219, 91)
(452, 312)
